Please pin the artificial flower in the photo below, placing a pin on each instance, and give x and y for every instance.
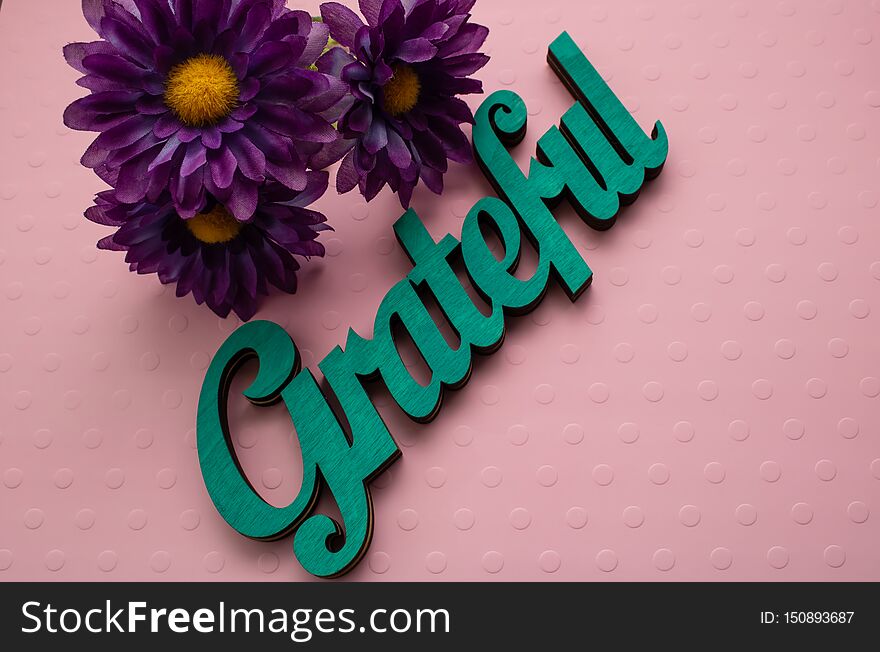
(203, 99)
(222, 261)
(406, 68)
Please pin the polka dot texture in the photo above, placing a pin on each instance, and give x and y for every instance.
(708, 409)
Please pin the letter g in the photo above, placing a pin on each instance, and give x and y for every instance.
(233, 495)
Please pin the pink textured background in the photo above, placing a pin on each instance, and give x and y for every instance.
(707, 410)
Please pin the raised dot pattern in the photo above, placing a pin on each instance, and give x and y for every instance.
(706, 410)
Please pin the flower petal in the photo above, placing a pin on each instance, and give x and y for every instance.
(433, 179)
(316, 41)
(253, 26)
(468, 39)
(74, 53)
(293, 122)
(156, 17)
(330, 153)
(127, 40)
(223, 166)
(167, 125)
(342, 21)
(377, 136)
(251, 161)
(246, 273)
(346, 177)
(370, 9)
(416, 50)
(90, 113)
(188, 194)
(464, 64)
(243, 201)
(130, 186)
(93, 10)
(292, 176)
(398, 151)
(196, 156)
(126, 132)
(270, 57)
(333, 61)
(315, 188)
(211, 137)
(151, 105)
(359, 118)
(169, 149)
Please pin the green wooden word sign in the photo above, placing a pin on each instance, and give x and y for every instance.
(597, 158)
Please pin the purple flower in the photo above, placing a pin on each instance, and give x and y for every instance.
(224, 262)
(406, 68)
(203, 98)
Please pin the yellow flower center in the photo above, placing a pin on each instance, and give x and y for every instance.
(401, 93)
(202, 90)
(214, 227)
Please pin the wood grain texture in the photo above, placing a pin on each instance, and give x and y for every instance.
(598, 159)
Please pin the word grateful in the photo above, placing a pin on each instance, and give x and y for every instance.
(598, 158)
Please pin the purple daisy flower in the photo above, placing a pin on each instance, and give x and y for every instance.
(204, 97)
(406, 68)
(224, 262)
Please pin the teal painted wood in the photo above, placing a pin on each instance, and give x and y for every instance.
(233, 495)
(342, 466)
(501, 122)
(493, 278)
(379, 356)
(619, 127)
(433, 273)
(598, 159)
(324, 547)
